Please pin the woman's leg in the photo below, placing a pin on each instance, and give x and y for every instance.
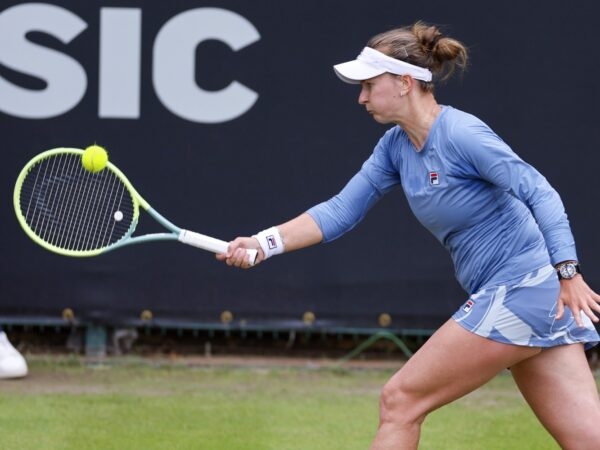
(452, 363)
(560, 388)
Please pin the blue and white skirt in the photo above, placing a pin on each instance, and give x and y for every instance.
(523, 312)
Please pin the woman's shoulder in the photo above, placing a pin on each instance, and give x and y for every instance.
(393, 133)
(395, 138)
(457, 117)
(461, 127)
(466, 135)
(391, 140)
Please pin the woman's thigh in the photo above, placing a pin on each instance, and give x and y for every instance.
(452, 363)
(560, 388)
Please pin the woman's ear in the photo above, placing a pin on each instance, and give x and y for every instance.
(406, 83)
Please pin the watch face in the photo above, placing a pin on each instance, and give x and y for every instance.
(567, 271)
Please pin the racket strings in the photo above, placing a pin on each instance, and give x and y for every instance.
(73, 209)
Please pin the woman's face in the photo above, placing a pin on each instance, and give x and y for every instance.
(381, 97)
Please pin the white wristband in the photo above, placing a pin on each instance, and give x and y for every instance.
(270, 241)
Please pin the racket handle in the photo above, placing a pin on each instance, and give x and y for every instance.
(211, 244)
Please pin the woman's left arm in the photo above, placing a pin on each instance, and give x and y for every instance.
(498, 164)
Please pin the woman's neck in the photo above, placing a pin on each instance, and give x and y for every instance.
(418, 122)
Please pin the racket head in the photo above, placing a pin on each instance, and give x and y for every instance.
(71, 211)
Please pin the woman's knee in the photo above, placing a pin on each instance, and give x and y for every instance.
(400, 403)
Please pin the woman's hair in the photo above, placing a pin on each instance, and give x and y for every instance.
(425, 46)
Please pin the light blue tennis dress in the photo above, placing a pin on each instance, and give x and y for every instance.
(499, 218)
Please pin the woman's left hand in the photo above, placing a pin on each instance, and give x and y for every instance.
(576, 295)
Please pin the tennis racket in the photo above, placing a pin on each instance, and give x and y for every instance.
(71, 211)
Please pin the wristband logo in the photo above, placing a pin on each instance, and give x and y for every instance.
(271, 242)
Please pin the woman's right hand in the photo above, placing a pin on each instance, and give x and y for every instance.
(237, 256)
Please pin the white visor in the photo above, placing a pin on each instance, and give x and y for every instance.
(371, 63)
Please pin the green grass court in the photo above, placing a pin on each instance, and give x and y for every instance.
(135, 403)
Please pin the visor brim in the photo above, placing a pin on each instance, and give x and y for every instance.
(354, 72)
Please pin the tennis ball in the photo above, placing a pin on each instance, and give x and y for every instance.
(94, 158)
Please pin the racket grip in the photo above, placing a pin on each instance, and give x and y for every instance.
(211, 244)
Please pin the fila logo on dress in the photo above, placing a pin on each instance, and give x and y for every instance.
(468, 305)
(434, 178)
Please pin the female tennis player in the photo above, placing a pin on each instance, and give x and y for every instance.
(529, 308)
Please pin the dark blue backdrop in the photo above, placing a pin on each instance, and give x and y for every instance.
(533, 78)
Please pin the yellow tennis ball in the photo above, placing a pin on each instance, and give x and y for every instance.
(94, 158)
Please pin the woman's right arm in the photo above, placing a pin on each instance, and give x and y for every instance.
(295, 234)
(326, 221)
(321, 223)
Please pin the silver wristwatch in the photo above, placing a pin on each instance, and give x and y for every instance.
(567, 270)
